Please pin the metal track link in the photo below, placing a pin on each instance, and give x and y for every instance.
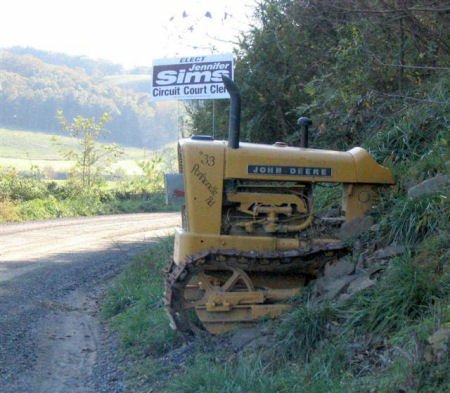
(306, 262)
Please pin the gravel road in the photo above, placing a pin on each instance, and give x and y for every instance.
(52, 276)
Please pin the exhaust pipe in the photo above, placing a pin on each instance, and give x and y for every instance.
(304, 124)
(234, 126)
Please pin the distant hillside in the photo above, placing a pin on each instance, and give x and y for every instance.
(140, 83)
(87, 65)
(35, 84)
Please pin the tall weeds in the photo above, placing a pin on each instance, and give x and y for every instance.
(406, 293)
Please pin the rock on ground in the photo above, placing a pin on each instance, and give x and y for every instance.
(429, 186)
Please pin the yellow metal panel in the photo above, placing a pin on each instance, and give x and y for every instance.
(243, 313)
(203, 163)
(354, 166)
(357, 200)
(187, 243)
(367, 169)
(239, 160)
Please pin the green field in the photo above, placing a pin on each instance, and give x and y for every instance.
(23, 149)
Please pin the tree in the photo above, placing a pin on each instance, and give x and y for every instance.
(91, 156)
(347, 64)
(31, 91)
(208, 117)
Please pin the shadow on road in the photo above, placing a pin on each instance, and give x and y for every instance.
(37, 290)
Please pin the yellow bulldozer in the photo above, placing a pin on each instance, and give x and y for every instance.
(250, 239)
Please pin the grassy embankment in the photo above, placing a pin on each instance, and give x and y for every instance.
(376, 342)
(383, 339)
(31, 164)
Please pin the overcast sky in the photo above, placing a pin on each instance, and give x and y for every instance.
(129, 32)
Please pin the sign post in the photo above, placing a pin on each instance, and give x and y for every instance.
(189, 78)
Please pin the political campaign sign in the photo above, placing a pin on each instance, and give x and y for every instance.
(190, 78)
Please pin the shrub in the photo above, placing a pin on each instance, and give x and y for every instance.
(39, 209)
(8, 211)
(17, 187)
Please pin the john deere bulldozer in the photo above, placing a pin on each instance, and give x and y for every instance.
(250, 239)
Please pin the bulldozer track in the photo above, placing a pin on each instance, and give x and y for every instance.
(307, 262)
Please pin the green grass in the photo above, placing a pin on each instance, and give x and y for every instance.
(405, 294)
(368, 344)
(301, 331)
(49, 206)
(21, 144)
(411, 221)
(29, 194)
(39, 145)
(135, 311)
(22, 149)
(25, 197)
(204, 374)
(134, 304)
(214, 373)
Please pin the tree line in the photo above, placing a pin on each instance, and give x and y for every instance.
(33, 91)
(351, 65)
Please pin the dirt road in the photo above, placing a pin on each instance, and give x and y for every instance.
(52, 275)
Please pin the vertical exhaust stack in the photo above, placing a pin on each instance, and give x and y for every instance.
(234, 126)
(304, 124)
